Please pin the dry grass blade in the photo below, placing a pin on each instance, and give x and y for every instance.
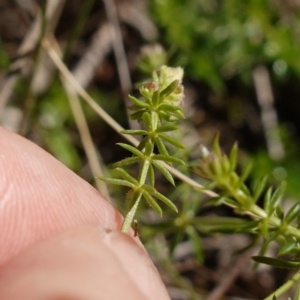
(118, 46)
(85, 135)
(86, 139)
(119, 51)
(269, 118)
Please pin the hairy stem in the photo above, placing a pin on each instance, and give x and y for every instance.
(141, 179)
(130, 215)
(257, 212)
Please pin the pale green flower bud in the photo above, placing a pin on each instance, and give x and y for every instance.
(164, 76)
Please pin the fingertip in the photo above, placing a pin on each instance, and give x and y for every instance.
(84, 263)
(40, 197)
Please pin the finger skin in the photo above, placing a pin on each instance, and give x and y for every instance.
(85, 263)
(59, 235)
(40, 197)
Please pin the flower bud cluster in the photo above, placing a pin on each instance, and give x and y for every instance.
(161, 79)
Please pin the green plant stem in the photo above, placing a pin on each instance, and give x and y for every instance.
(284, 287)
(257, 212)
(141, 179)
(130, 215)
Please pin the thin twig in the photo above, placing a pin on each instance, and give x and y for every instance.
(119, 51)
(86, 139)
(268, 113)
(85, 135)
(118, 46)
(81, 91)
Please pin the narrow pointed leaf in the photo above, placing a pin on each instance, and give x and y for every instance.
(179, 235)
(167, 117)
(265, 246)
(115, 181)
(149, 148)
(215, 201)
(125, 162)
(172, 141)
(151, 175)
(259, 187)
(292, 213)
(155, 98)
(164, 171)
(145, 93)
(267, 202)
(161, 147)
(168, 90)
(152, 203)
(154, 120)
(216, 146)
(279, 212)
(169, 107)
(166, 128)
(143, 143)
(233, 157)
(138, 102)
(137, 115)
(147, 121)
(168, 159)
(275, 262)
(126, 176)
(224, 224)
(178, 113)
(264, 227)
(196, 241)
(134, 132)
(246, 171)
(149, 189)
(277, 195)
(287, 248)
(233, 202)
(225, 165)
(132, 149)
(165, 200)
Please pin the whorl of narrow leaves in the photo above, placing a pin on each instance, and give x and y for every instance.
(270, 223)
(160, 104)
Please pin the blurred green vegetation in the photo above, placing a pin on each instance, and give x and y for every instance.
(221, 41)
(217, 40)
